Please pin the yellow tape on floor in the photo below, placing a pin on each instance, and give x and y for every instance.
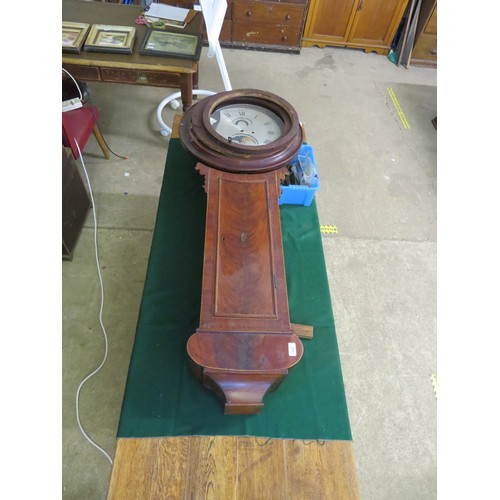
(398, 108)
(434, 381)
(328, 229)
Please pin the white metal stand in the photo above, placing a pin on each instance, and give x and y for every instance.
(213, 14)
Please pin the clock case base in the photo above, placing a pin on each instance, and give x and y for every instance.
(241, 368)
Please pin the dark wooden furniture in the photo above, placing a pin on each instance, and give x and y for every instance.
(364, 24)
(425, 47)
(75, 204)
(244, 345)
(132, 68)
(260, 24)
(268, 25)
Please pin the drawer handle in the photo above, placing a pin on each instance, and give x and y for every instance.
(288, 17)
(284, 38)
(141, 78)
(360, 6)
(249, 13)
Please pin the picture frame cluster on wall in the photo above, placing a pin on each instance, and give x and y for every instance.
(120, 39)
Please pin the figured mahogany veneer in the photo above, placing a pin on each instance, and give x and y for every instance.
(244, 345)
(244, 287)
(241, 368)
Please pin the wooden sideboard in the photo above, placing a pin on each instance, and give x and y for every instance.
(425, 47)
(362, 24)
(260, 24)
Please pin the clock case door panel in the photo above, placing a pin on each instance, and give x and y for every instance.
(244, 284)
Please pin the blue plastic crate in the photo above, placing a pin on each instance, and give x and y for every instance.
(297, 194)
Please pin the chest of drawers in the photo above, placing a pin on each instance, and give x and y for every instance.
(260, 24)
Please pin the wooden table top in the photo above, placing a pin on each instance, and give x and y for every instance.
(123, 15)
(240, 468)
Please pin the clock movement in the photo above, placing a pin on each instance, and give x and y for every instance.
(244, 345)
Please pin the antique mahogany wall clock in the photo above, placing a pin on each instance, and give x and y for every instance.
(244, 345)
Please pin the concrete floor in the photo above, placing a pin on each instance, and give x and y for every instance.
(378, 187)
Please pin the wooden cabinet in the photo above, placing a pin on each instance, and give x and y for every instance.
(268, 25)
(75, 204)
(365, 24)
(275, 25)
(425, 47)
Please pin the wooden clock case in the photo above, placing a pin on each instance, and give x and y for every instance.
(244, 345)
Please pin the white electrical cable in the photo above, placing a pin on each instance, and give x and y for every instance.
(93, 443)
(165, 129)
(77, 86)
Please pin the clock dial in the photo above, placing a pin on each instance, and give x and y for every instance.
(247, 124)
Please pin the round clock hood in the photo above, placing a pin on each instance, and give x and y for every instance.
(242, 131)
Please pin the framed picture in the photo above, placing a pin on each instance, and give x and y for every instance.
(171, 44)
(107, 38)
(73, 36)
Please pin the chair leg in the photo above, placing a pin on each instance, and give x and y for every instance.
(100, 140)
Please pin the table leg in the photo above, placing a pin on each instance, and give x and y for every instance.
(186, 90)
(196, 74)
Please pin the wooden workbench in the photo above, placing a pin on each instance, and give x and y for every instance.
(230, 467)
(242, 468)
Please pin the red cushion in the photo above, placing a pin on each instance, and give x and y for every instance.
(77, 125)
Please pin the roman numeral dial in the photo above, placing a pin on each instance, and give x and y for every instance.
(247, 124)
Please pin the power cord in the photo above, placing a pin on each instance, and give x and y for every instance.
(101, 308)
(93, 112)
(93, 443)
(110, 150)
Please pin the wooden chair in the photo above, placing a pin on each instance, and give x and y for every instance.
(77, 125)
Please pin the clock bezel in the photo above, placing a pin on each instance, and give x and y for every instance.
(200, 138)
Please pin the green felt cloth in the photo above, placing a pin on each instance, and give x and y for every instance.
(162, 398)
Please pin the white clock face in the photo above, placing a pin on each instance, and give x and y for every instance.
(247, 124)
